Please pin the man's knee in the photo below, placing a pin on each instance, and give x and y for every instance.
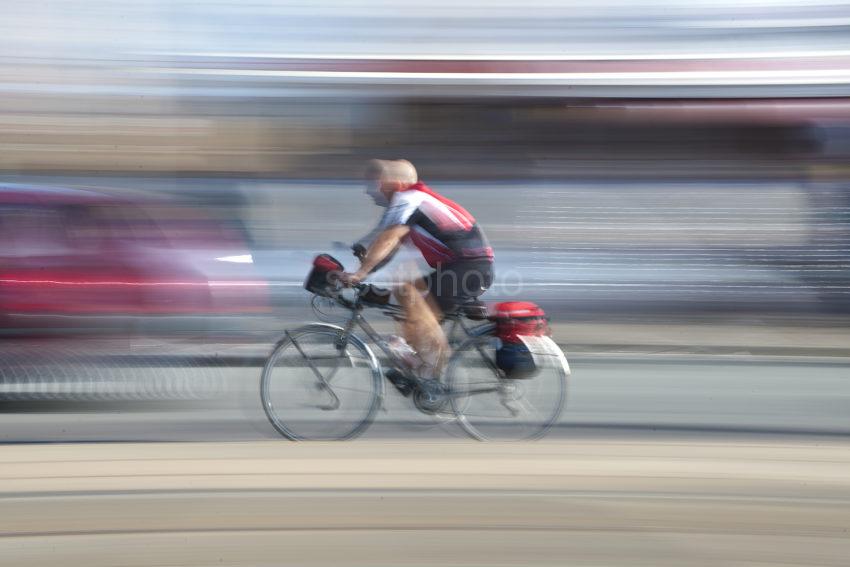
(406, 293)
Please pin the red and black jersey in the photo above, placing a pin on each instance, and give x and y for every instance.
(443, 231)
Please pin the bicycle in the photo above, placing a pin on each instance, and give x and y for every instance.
(323, 382)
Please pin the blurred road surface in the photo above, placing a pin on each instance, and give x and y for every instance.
(384, 503)
(642, 397)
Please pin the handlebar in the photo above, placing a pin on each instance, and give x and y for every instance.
(368, 293)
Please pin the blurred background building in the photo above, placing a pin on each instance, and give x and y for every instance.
(542, 90)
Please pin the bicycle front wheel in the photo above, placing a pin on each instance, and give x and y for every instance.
(315, 387)
(490, 407)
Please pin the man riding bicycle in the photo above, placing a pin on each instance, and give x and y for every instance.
(450, 241)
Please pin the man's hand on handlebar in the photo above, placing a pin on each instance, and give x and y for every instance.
(351, 279)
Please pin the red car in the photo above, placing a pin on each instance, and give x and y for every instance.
(81, 257)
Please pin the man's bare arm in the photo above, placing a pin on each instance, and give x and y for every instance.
(382, 247)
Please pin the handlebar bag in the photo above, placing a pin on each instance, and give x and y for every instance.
(322, 278)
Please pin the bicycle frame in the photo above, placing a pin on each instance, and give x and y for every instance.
(357, 320)
(457, 324)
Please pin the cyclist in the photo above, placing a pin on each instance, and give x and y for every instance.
(450, 241)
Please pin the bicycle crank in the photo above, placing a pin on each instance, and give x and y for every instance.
(431, 396)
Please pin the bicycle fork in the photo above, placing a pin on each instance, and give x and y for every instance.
(323, 383)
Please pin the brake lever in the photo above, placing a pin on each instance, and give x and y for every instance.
(359, 251)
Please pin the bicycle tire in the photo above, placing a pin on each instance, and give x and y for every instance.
(323, 424)
(551, 383)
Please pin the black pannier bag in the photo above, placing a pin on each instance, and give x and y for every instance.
(322, 279)
(514, 320)
(376, 295)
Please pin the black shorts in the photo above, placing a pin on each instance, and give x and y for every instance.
(453, 284)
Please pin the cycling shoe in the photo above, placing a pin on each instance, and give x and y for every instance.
(403, 384)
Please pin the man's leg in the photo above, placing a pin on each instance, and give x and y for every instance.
(421, 328)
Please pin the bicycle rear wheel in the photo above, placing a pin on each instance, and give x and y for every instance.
(490, 407)
(313, 387)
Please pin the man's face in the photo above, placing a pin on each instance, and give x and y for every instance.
(375, 189)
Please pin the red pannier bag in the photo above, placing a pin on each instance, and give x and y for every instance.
(515, 319)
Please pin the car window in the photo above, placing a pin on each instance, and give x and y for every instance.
(32, 231)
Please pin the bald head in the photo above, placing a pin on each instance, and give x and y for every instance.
(385, 177)
(396, 170)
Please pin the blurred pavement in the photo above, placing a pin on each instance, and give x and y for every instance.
(593, 503)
